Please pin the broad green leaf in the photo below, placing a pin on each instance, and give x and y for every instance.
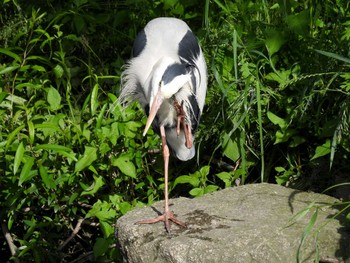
(3, 96)
(274, 41)
(225, 177)
(88, 158)
(322, 150)
(46, 178)
(277, 120)
(132, 128)
(12, 136)
(54, 98)
(69, 155)
(48, 129)
(210, 188)
(284, 136)
(113, 98)
(107, 229)
(58, 70)
(101, 246)
(125, 165)
(197, 192)
(186, 179)
(205, 170)
(124, 207)
(72, 198)
(18, 157)
(15, 99)
(282, 77)
(26, 173)
(39, 68)
(299, 22)
(102, 210)
(231, 148)
(280, 169)
(96, 185)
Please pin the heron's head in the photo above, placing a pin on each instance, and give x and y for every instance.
(166, 79)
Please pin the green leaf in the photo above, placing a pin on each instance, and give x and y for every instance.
(3, 95)
(58, 70)
(31, 131)
(107, 229)
(197, 192)
(306, 232)
(18, 157)
(125, 165)
(96, 185)
(186, 179)
(15, 99)
(12, 136)
(88, 158)
(274, 41)
(322, 150)
(39, 68)
(333, 55)
(9, 53)
(94, 101)
(63, 150)
(231, 148)
(284, 136)
(210, 188)
(54, 98)
(299, 22)
(8, 69)
(100, 247)
(26, 173)
(225, 177)
(277, 120)
(53, 147)
(46, 178)
(102, 210)
(101, 116)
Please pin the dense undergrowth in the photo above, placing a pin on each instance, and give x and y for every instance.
(277, 110)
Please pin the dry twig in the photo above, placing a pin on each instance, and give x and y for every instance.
(74, 233)
(9, 239)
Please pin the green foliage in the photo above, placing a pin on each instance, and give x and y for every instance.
(277, 110)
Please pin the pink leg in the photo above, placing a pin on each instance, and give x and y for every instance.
(168, 215)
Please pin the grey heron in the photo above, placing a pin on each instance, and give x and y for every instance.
(168, 76)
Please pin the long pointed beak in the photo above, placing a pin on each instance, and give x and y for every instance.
(157, 102)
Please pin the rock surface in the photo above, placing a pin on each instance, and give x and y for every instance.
(251, 223)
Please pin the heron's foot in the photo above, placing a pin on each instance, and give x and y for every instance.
(166, 218)
(181, 119)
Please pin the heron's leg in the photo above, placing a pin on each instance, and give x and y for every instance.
(168, 215)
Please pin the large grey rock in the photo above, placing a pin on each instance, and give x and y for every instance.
(251, 223)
